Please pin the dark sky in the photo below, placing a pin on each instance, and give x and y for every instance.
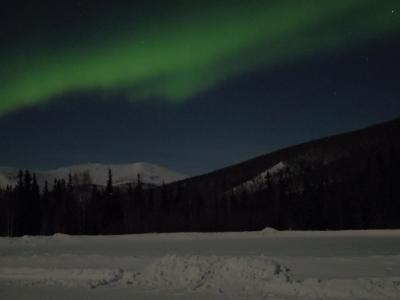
(193, 87)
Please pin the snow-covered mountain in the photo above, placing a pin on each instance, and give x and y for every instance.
(260, 180)
(98, 174)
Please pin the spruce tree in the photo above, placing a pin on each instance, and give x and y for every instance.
(109, 188)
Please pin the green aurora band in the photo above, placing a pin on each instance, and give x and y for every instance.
(186, 50)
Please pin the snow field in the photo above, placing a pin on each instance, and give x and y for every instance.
(260, 265)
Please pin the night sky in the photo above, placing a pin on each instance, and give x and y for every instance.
(190, 85)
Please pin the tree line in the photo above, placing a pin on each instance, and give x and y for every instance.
(307, 200)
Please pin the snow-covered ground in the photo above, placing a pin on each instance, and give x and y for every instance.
(267, 264)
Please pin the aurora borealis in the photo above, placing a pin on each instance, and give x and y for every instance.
(178, 49)
(190, 85)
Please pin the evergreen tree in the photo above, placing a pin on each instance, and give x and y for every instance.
(45, 209)
(112, 218)
(34, 208)
(109, 188)
(70, 180)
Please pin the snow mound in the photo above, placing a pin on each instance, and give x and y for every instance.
(60, 236)
(257, 276)
(361, 288)
(219, 274)
(61, 277)
(244, 276)
(268, 230)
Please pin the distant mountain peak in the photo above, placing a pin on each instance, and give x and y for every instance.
(96, 173)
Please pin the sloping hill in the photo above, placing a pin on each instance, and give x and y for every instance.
(344, 153)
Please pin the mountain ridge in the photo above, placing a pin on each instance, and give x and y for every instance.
(96, 173)
(326, 148)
